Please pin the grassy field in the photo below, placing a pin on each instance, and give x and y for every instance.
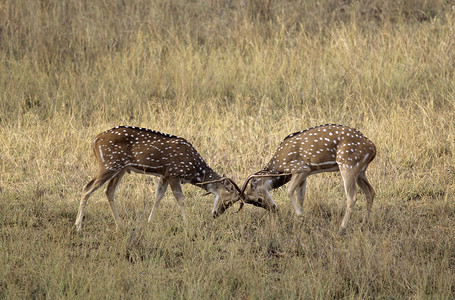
(234, 80)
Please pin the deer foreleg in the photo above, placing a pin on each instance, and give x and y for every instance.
(297, 184)
(215, 204)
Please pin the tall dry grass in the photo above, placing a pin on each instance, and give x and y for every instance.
(233, 80)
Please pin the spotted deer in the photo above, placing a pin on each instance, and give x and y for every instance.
(174, 160)
(324, 148)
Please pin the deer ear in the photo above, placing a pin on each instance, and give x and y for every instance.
(227, 185)
(253, 183)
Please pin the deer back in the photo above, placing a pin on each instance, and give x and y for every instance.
(148, 151)
(322, 148)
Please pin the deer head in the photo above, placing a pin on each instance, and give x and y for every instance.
(226, 193)
(255, 193)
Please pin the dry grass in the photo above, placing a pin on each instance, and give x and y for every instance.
(233, 80)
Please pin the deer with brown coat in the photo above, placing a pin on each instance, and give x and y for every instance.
(324, 148)
(174, 160)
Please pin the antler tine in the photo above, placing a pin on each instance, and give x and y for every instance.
(240, 207)
(242, 192)
(211, 181)
(247, 180)
(245, 183)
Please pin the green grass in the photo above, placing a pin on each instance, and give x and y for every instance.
(234, 80)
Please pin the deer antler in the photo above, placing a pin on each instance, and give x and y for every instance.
(245, 184)
(241, 206)
(235, 186)
(221, 180)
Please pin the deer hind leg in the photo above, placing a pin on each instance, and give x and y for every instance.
(301, 195)
(349, 179)
(159, 194)
(110, 193)
(366, 187)
(89, 188)
(179, 196)
(297, 186)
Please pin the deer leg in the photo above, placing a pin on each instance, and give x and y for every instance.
(89, 188)
(265, 188)
(366, 187)
(215, 204)
(270, 203)
(110, 193)
(179, 196)
(297, 184)
(159, 194)
(349, 179)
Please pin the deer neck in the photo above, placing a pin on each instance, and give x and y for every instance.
(206, 175)
(276, 181)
